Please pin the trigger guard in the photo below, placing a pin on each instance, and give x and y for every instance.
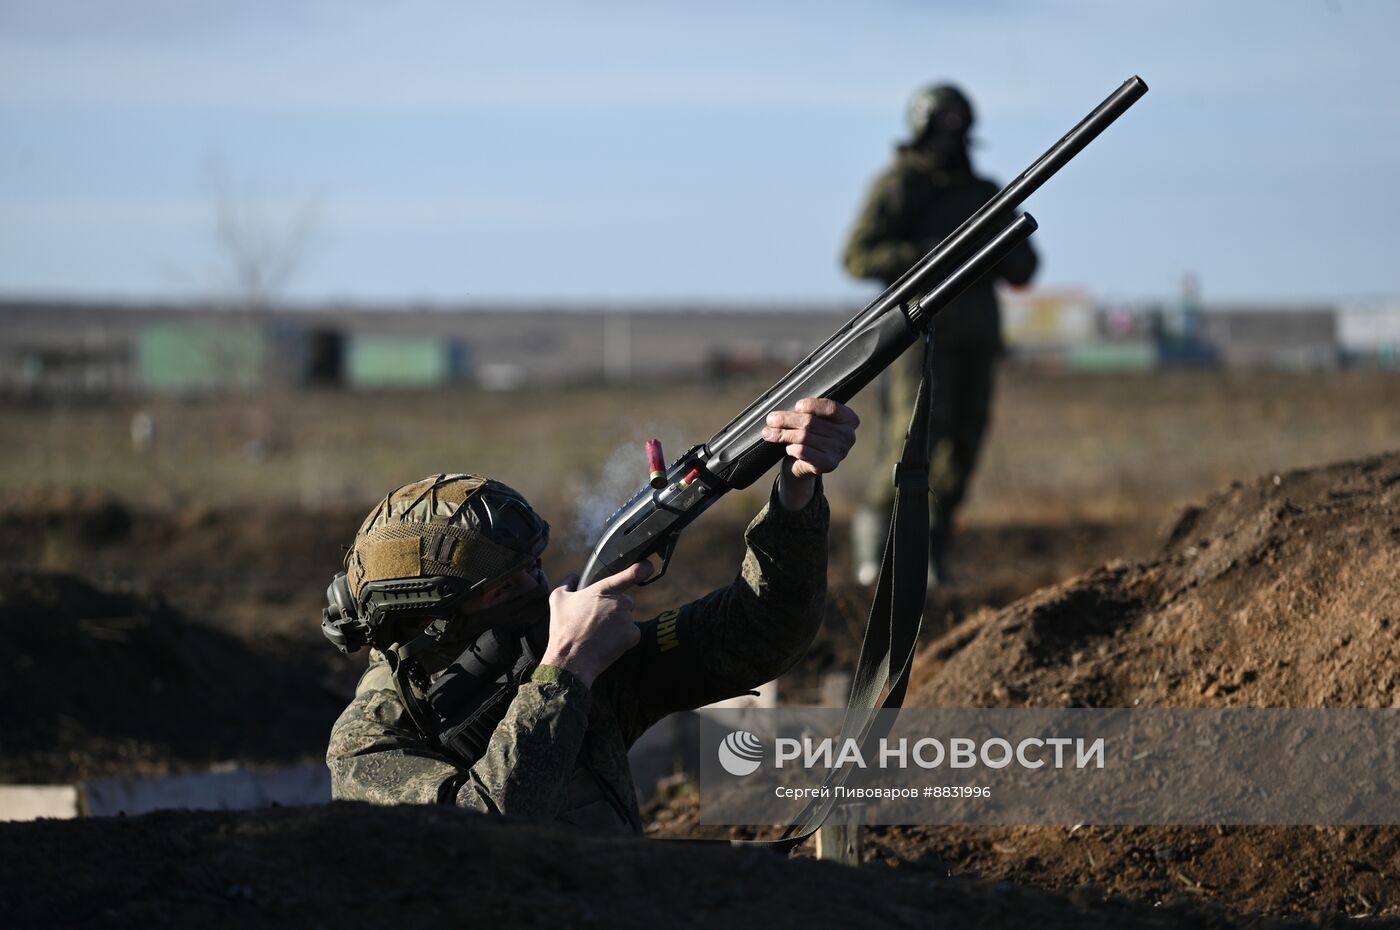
(665, 553)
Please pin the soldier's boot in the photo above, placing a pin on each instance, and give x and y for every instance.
(869, 529)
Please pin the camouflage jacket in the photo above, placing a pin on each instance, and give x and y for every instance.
(912, 207)
(560, 753)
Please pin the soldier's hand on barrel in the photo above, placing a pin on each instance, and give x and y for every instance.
(591, 629)
(817, 434)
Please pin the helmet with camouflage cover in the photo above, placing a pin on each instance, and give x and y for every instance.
(939, 109)
(422, 553)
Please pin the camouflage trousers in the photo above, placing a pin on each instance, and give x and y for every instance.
(960, 405)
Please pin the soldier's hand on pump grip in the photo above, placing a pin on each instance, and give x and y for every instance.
(590, 629)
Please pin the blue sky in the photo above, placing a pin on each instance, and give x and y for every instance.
(638, 151)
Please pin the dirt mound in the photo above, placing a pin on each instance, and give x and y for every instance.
(361, 866)
(118, 682)
(263, 569)
(96, 517)
(1350, 870)
(1251, 870)
(1276, 594)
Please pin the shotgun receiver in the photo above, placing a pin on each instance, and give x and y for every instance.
(737, 456)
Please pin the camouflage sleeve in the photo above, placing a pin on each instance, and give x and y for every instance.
(881, 245)
(734, 639)
(377, 755)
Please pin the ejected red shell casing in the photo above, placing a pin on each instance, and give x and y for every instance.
(657, 463)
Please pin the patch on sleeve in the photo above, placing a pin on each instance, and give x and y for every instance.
(667, 635)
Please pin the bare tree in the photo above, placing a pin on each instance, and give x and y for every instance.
(261, 251)
(260, 255)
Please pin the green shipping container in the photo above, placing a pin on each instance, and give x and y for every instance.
(200, 356)
(1113, 356)
(399, 362)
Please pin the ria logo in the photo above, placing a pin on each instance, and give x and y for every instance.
(741, 753)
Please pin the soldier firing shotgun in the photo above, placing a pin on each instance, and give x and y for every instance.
(488, 690)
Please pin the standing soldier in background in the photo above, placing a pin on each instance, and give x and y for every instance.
(926, 194)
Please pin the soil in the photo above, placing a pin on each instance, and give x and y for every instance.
(350, 865)
(1251, 870)
(183, 634)
(1279, 593)
(118, 683)
(1276, 593)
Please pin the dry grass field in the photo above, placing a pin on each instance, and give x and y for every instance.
(1100, 447)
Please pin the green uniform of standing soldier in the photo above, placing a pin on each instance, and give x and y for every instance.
(925, 195)
(468, 548)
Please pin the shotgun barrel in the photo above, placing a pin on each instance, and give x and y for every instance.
(736, 456)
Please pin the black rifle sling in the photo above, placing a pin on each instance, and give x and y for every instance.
(896, 614)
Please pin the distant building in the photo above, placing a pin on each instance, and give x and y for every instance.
(1034, 320)
(1066, 330)
(1369, 332)
(1293, 338)
(95, 348)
